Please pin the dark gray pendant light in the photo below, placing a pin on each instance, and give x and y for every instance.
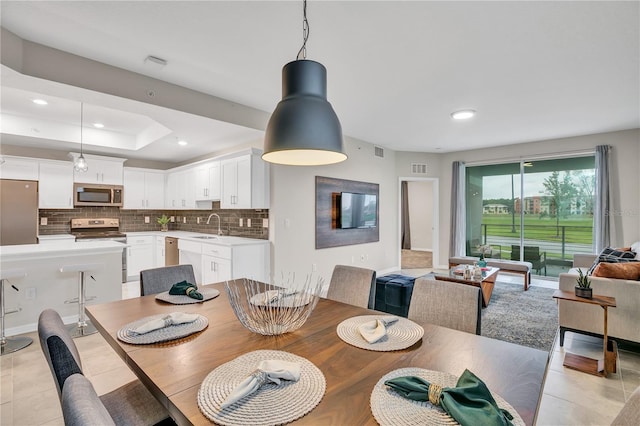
(304, 130)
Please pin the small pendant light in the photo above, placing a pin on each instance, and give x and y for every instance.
(80, 164)
(304, 130)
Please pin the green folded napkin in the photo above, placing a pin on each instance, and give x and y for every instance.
(184, 287)
(469, 403)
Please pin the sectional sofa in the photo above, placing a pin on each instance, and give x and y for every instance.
(623, 320)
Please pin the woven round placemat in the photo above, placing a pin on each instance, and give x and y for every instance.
(161, 335)
(391, 409)
(271, 404)
(400, 335)
(181, 299)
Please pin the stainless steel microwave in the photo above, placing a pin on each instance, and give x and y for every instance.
(92, 194)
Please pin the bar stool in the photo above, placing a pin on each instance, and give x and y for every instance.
(83, 327)
(11, 344)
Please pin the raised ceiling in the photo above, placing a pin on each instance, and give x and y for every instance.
(396, 69)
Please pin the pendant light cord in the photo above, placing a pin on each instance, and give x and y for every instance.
(81, 121)
(302, 53)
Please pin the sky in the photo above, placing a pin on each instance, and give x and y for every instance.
(500, 186)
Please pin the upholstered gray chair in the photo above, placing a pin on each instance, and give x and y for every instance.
(81, 406)
(157, 280)
(131, 404)
(353, 285)
(449, 304)
(630, 413)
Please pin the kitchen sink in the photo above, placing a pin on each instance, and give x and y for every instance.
(207, 237)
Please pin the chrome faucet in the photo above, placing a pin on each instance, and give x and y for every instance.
(209, 218)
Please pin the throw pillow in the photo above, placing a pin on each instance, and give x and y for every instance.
(625, 271)
(612, 255)
(636, 247)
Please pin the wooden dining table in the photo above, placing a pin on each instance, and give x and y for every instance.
(173, 371)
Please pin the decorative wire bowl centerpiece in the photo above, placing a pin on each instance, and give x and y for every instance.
(273, 309)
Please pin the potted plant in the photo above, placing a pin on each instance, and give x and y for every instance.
(164, 222)
(583, 289)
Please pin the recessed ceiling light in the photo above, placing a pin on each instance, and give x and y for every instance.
(40, 102)
(463, 114)
(98, 125)
(182, 143)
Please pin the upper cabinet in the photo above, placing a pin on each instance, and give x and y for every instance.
(55, 186)
(244, 183)
(208, 181)
(105, 170)
(143, 189)
(19, 168)
(181, 191)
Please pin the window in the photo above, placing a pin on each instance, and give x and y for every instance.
(540, 211)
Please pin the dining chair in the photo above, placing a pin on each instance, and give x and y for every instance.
(130, 404)
(81, 405)
(449, 304)
(630, 412)
(157, 280)
(353, 285)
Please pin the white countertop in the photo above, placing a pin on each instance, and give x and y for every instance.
(56, 237)
(193, 236)
(59, 249)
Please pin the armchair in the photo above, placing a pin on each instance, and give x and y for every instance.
(531, 254)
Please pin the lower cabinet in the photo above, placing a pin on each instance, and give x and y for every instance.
(140, 255)
(214, 263)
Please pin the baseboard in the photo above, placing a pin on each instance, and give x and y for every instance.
(420, 249)
(28, 328)
(387, 270)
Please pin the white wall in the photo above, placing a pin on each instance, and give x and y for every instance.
(292, 215)
(421, 214)
(625, 176)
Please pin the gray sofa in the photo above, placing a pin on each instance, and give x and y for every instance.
(624, 319)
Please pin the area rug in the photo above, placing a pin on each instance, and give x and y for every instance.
(527, 318)
(416, 259)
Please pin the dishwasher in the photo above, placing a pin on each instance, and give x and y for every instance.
(171, 255)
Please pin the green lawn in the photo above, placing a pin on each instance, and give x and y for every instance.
(577, 229)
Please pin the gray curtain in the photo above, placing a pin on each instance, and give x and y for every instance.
(458, 210)
(601, 212)
(406, 228)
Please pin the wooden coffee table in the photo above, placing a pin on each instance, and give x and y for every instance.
(486, 283)
(596, 367)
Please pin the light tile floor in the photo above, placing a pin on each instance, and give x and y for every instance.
(28, 395)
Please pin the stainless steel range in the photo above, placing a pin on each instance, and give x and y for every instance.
(101, 230)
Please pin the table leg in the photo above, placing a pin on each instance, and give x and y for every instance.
(610, 355)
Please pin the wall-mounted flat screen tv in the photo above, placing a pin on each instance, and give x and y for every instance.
(358, 210)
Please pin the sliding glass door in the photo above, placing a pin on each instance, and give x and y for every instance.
(540, 211)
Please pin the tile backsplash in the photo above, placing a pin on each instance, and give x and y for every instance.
(59, 221)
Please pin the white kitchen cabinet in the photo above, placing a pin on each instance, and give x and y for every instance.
(244, 183)
(220, 262)
(19, 168)
(181, 191)
(105, 170)
(216, 263)
(191, 254)
(143, 189)
(55, 185)
(160, 253)
(207, 178)
(140, 255)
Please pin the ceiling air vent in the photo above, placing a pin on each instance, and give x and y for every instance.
(379, 152)
(419, 168)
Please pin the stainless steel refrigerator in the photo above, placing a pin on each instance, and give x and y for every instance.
(18, 212)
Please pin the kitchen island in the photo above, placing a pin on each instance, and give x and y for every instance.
(45, 286)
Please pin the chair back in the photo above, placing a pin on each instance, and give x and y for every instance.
(353, 285)
(58, 347)
(449, 304)
(81, 406)
(630, 412)
(157, 280)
